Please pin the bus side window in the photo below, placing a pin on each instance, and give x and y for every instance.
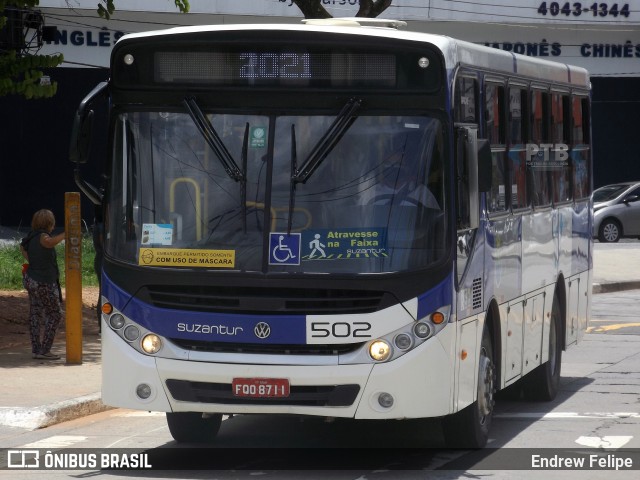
(465, 111)
(495, 133)
(560, 171)
(580, 150)
(537, 165)
(466, 100)
(517, 151)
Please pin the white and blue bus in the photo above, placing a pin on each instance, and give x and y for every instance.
(339, 218)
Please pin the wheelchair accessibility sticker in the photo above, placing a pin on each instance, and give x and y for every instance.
(284, 248)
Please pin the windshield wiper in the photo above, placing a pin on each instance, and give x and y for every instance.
(320, 151)
(292, 184)
(213, 139)
(243, 189)
(329, 140)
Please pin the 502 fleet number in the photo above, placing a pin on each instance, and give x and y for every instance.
(340, 329)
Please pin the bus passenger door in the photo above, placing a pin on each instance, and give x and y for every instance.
(467, 211)
(469, 252)
(473, 175)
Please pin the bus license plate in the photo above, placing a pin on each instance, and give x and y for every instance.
(260, 387)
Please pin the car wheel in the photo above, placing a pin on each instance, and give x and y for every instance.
(610, 231)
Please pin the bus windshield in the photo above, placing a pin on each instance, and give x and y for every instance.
(374, 204)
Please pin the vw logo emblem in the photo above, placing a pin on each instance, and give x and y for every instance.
(262, 330)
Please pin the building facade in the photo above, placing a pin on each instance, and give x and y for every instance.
(603, 37)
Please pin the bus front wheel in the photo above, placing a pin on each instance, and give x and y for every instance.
(193, 427)
(469, 428)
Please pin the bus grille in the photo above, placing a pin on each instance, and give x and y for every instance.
(262, 300)
(307, 396)
(269, 349)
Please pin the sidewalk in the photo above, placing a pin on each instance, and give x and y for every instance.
(616, 266)
(39, 393)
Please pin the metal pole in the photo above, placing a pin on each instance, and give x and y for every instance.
(73, 276)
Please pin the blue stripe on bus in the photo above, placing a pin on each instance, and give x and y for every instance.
(240, 328)
(439, 296)
(207, 326)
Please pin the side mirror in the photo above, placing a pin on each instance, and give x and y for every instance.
(485, 165)
(631, 198)
(83, 125)
(81, 137)
(81, 141)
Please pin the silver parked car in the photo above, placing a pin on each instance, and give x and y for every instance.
(616, 211)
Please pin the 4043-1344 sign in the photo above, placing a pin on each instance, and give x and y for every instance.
(578, 9)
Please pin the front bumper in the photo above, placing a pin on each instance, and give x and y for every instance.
(421, 382)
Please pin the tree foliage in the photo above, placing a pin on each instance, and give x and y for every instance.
(107, 7)
(21, 71)
(22, 75)
(368, 8)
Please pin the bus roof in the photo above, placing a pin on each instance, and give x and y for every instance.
(456, 52)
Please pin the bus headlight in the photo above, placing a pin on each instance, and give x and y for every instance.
(131, 333)
(151, 344)
(116, 321)
(403, 341)
(395, 344)
(380, 350)
(422, 330)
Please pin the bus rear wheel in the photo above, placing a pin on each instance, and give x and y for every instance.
(193, 427)
(469, 428)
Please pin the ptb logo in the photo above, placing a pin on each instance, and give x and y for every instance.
(542, 152)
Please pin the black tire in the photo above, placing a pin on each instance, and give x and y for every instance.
(193, 427)
(469, 428)
(544, 382)
(610, 231)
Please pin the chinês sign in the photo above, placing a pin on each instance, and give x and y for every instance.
(586, 50)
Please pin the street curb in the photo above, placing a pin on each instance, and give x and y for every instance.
(615, 287)
(47, 415)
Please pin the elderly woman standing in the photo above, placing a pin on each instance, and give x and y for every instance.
(41, 280)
